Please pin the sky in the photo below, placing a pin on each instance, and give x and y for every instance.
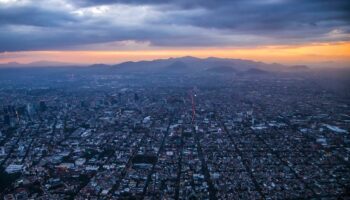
(113, 31)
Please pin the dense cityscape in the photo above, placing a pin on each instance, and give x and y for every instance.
(137, 136)
(174, 100)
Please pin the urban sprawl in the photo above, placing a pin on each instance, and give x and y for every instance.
(173, 137)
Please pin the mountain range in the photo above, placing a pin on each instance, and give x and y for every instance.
(42, 63)
(208, 65)
(186, 64)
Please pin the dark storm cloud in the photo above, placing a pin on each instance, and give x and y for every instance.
(255, 15)
(38, 38)
(185, 4)
(36, 26)
(32, 15)
(263, 16)
(293, 19)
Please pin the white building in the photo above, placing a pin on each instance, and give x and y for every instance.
(13, 168)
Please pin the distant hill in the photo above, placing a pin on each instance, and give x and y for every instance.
(44, 63)
(298, 68)
(10, 64)
(192, 64)
(38, 64)
(222, 69)
(255, 71)
(179, 65)
(99, 65)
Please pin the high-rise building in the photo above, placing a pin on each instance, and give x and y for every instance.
(30, 109)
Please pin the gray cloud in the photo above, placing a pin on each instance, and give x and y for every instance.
(32, 15)
(42, 25)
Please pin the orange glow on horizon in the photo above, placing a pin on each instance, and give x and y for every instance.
(282, 54)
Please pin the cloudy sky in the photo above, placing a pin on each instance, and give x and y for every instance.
(111, 31)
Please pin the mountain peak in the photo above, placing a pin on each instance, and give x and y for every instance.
(221, 69)
(256, 71)
(298, 67)
(99, 65)
(187, 58)
(176, 66)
